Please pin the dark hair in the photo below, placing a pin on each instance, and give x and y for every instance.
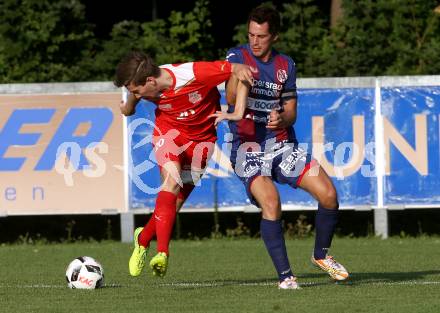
(264, 13)
(135, 67)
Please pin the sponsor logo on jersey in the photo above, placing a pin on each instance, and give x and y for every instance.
(267, 85)
(185, 114)
(194, 97)
(263, 105)
(166, 106)
(229, 55)
(270, 89)
(265, 92)
(282, 76)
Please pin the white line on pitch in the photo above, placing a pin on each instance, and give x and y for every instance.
(232, 283)
(221, 284)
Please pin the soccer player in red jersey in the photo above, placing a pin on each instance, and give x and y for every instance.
(188, 107)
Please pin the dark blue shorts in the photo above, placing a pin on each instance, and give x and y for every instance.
(285, 165)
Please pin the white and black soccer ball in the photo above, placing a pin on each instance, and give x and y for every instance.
(84, 272)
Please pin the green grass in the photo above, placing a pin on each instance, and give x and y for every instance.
(394, 275)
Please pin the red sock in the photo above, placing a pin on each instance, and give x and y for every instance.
(148, 232)
(164, 215)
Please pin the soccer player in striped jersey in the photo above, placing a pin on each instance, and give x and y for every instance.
(188, 107)
(265, 149)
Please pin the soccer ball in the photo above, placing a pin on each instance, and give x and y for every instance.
(84, 273)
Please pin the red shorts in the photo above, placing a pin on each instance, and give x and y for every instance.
(193, 156)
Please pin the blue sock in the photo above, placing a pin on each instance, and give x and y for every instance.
(273, 237)
(325, 223)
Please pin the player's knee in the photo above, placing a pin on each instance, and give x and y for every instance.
(171, 186)
(329, 199)
(271, 209)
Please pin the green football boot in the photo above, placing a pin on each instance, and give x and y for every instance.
(159, 264)
(138, 257)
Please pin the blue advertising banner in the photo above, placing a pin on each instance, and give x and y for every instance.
(411, 133)
(340, 123)
(344, 117)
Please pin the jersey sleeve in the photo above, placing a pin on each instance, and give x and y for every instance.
(234, 56)
(289, 90)
(212, 73)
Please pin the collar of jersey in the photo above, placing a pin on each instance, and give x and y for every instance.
(174, 79)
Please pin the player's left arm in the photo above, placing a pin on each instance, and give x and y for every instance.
(239, 107)
(214, 73)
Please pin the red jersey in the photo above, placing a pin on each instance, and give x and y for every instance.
(186, 105)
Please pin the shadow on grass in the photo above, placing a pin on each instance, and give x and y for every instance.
(392, 276)
(380, 278)
(317, 279)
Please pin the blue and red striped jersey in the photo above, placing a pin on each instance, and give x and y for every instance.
(274, 83)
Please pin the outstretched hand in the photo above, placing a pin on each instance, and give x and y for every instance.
(243, 73)
(219, 116)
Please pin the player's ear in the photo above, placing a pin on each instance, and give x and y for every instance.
(151, 80)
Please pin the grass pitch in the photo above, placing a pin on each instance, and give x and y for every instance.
(394, 275)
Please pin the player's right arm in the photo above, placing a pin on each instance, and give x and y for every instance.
(239, 107)
(242, 73)
(128, 107)
(231, 89)
(235, 57)
(235, 83)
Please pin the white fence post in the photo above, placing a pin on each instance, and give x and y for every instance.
(381, 222)
(127, 226)
(380, 211)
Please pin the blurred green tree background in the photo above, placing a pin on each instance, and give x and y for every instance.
(52, 41)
